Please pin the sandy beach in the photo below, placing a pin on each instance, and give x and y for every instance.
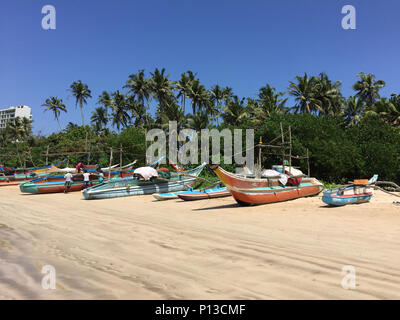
(138, 248)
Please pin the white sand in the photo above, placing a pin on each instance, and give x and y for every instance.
(137, 248)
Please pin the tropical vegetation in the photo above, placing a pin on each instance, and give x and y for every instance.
(346, 137)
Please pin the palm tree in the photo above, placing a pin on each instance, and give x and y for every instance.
(17, 132)
(304, 92)
(268, 103)
(171, 112)
(99, 117)
(379, 110)
(105, 101)
(161, 86)
(4, 137)
(354, 110)
(198, 121)
(26, 125)
(182, 86)
(199, 96)
(138, 111)
(56, 106)
(139, 87)
(368, 88)
(81, 93)
(329, 95)
(394, 114)
(227, 94)
(235, 112)
(119, 107)
(216, 97)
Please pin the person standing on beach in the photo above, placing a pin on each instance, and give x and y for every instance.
(86, 179)
(68, 180)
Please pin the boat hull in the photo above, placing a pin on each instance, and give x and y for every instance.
(132, 187)
(205, 194)
(56, 184)
(135, 190)
(268, 195)
(339, 197)
(167, 196)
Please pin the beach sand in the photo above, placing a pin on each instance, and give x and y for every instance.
(138, 248)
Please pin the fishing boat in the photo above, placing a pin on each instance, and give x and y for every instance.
(361, 191)
(276, 187)
(56, 184)
(269, 178)
(139, 185)
(25, 174)
(265, 195)
(216, 192)
(168, 195)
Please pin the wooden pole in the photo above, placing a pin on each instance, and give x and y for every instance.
(111, 158)
(308, 163)
(120, 158)
(290, 150)
(47, 156)
(145, 144)
(283, 149)
(259, 155)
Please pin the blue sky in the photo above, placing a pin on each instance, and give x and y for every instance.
(243, 44)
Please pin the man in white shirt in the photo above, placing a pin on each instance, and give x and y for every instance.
(68, 180)
(86, 179)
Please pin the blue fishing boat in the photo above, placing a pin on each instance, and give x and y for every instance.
(216, 192)
(138, 185)
(359, 192)
(168, 195)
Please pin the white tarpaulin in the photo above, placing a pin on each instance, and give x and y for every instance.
(268, 173)
(146, 172)
(293, 171)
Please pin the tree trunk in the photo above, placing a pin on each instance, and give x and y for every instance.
(59, 125)
(81, 107)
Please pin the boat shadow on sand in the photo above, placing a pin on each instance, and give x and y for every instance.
(223, 206)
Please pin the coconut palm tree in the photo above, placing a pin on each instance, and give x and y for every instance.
(329, 95)
(368, 88)
(17, 132)
(216, 97)
(235, 112)
(379, 110)
(227, 94)
(354, 110)
(26, 125)
(56, 106)
(138, 112)
(198, 95)
(119, 107)
(182, 86)
(267, 104)
(394, 114)
(198, 121)
(139, 87)
(304, 92)
(161, 86)
(81, 93)
(99, 117)
(105, 101)
(171, 112)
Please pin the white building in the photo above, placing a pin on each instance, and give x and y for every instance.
(13, 112)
